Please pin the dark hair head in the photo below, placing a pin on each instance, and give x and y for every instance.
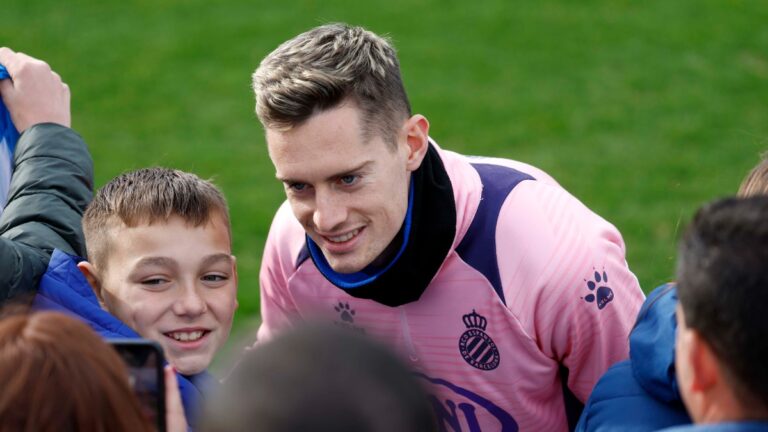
(319, 69)
(56, 374)
(146, 196)
(320, 379)
(722, 279)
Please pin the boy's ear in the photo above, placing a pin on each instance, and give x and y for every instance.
(89, 271)
(234, 273)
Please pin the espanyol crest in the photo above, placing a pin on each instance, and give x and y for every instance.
(477, 348)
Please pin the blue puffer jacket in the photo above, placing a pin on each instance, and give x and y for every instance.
(722, 427)
(63, 288)
(640, 394)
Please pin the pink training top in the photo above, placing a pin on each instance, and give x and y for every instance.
(493, 352)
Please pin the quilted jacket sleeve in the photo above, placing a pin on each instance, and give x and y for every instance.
(51, 185)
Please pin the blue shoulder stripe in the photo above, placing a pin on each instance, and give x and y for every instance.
(478, 247)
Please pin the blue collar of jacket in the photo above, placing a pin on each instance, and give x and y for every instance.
(652, 345)
(63, 288)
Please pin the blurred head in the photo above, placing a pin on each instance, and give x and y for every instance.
(723, 289)
(160, 259)
(320, 379)
(756, 182)
(56, 374)
(342, 138)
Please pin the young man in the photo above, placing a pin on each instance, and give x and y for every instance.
(160, 267)
(721, 348)
(503, 291)
(52, 174)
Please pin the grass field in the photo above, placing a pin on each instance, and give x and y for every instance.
(643, 110)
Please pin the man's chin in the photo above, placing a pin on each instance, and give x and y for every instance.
(344, 266)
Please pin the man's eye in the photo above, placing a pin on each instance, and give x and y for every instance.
(297, 187)
(348, 179)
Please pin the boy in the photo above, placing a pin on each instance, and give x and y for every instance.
(160, 267)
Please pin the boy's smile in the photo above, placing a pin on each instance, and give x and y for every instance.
(173, 283)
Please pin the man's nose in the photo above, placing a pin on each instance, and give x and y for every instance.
(330, 211)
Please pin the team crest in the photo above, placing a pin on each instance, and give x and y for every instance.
(476, 346)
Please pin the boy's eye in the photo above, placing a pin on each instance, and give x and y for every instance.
(215, 278)
(154, 281)
(348, 180)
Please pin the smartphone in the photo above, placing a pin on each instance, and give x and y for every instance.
(144, 360)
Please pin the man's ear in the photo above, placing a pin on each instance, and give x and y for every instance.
(416, 130)
(89, 271)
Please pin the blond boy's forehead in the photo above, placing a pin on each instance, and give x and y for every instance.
(115, 230)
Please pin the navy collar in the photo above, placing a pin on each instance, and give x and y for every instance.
(426, 237)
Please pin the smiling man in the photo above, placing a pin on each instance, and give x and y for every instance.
(501, 290)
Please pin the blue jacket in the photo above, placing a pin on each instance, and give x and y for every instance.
(641, 394)
(63, 288)
(8, 137)
(722, 427)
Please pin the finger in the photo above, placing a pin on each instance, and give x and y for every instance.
(6, 87)
(8, 59)
(174, 410)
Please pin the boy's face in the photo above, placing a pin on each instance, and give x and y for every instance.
(175, 284)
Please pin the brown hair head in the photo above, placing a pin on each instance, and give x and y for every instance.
(321, 68)
(56, 374)
(146, 196)
(756, 182)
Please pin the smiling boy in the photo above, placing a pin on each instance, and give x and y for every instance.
(160, 266)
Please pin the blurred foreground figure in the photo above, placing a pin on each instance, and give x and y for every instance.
(56, 374)
(721, 348)
(642, 393)
(320, 379)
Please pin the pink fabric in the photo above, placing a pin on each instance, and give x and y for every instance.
(550, 247)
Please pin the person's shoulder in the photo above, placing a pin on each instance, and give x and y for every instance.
(619, 402)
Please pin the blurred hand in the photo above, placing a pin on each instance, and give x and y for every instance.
(175, 421)
(35, 93)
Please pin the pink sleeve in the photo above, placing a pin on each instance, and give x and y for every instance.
(278, 311)
(567, 281)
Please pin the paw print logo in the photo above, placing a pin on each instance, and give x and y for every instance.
(600, 293)
(346, 313)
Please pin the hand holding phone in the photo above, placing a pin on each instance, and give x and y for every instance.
(144, 361)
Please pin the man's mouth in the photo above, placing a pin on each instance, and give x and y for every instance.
(187, 336)
(344, 237)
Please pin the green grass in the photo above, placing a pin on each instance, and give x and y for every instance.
(643, 110)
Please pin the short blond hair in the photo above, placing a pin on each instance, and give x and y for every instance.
(146, 196)
(756, 182)
(323, 67)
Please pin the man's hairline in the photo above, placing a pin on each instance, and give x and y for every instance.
(367, 132)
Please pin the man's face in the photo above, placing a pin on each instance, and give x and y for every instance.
(175, 284)
(350, 194)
